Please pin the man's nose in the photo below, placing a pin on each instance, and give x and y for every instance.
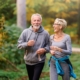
(36, 22)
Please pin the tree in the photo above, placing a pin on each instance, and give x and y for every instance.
(21, 13)
(5, 6)
(78, 31)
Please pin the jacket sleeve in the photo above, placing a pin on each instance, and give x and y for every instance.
(68, 51)
(47, 40)
(22, 40)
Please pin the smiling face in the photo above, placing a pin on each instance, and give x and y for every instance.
(36, 21)
(57, 27)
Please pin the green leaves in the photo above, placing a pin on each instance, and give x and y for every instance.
(9, 48)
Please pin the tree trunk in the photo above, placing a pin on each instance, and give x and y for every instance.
(78, 31)
(21, 13)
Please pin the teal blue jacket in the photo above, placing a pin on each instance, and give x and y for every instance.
(59, 68)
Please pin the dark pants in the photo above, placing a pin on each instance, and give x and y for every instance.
(34, 71)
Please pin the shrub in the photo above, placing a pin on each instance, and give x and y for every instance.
(9, 48)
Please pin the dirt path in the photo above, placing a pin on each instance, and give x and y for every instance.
(76, 50)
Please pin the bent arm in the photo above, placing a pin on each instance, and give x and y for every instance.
(22, 41)
(47, 47)
(68, 47)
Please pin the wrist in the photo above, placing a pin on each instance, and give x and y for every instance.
(60, 49)
(44, 50)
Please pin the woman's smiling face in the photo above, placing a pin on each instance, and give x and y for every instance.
(57, 27)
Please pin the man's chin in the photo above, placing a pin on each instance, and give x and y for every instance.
(36, 28)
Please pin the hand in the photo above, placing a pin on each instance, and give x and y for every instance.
(31, 43)
(52, 52)
(52, 47)
(41, 51)
(55, 48)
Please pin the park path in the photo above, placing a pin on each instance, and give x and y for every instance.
(76, 50)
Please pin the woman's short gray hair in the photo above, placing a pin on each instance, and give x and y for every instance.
(36, 14)
(61, 22)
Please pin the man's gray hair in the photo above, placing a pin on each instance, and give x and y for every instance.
(36, 14)
(63, 22)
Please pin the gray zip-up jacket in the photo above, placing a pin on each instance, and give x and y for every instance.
(42, 40)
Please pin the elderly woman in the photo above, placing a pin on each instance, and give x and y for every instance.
(60, 50)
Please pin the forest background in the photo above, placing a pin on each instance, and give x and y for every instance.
(50, 10)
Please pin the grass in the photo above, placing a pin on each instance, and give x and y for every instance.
(76, 45)
(75, 59)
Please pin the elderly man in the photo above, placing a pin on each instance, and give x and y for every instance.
(35, 41)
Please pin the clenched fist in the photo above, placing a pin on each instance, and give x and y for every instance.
(31, 43)
(41, 51)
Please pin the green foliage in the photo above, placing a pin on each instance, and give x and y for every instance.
(11, 75)
(9, 48)
(66, 9)
(75, 60)
(7, 8)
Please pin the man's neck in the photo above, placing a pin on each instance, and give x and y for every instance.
(35, 30)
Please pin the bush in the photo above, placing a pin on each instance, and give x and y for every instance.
(9, 48)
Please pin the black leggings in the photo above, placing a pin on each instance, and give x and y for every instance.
(34, 71)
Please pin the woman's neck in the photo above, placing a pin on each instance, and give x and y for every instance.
(58, 34)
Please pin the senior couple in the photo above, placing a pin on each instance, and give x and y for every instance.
(37, 42)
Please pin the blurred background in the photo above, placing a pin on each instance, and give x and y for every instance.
(15, 16)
